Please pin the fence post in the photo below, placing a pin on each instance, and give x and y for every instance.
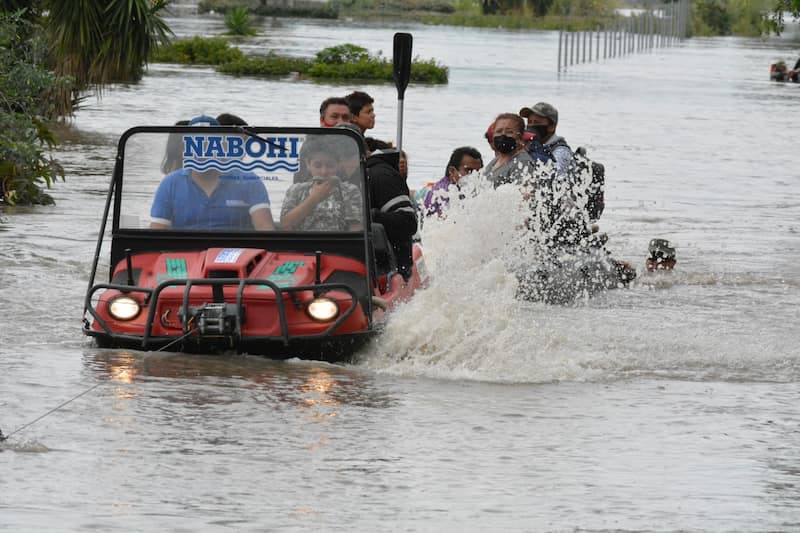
(598, 44)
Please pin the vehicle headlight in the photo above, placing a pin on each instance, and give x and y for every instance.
(322, 309)
(124, 308)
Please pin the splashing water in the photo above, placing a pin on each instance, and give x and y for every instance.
(470, 322)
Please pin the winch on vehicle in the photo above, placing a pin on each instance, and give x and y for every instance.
(216, 318)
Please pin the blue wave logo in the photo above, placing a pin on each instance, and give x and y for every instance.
(230, 166)
(227, 153)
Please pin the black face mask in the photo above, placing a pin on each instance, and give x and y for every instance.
(505, 144)
(539, 131)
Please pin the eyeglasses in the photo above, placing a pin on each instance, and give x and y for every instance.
(510, 133)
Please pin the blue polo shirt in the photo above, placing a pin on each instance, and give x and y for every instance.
(181, 204)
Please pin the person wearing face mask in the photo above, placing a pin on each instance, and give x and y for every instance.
(542, 120)
(512, 163)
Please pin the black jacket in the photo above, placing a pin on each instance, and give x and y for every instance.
(391, 205)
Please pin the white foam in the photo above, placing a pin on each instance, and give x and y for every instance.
(469, 324)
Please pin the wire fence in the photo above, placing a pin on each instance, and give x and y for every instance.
(641, 31)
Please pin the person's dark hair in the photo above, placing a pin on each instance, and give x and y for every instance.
(333, 100)
(173, 155)
(516, 118)
(356, 100)
(377, 144)
(457, 157)
(320, 145)
(226, 119)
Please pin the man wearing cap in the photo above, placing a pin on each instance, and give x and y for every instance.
(543, 120)
(194, 199)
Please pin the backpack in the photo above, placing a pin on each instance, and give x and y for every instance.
(540, 152)
(595, 192)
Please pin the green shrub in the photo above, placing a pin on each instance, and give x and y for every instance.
(343, 53)
(428, 71)
(348, 61)
(710, 17)
(328, 10)
(198, 51)
(343, 62)
(360, 70)
(238, 22)
(27, 89)
(270, 65)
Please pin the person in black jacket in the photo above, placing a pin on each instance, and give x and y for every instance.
(392, 207)
(390, 199)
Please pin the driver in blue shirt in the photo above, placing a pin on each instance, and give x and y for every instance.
(190, 199)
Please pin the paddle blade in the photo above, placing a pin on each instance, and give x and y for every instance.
(402, 62)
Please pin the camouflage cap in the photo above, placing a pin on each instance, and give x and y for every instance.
(543, 109)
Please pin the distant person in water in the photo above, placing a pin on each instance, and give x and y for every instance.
(192, 199)
(463, 161)
(362, 110)
(794, 74)
(334, 111)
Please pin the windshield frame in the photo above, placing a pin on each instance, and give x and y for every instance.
(129, 240)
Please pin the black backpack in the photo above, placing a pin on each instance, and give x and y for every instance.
(595, 192)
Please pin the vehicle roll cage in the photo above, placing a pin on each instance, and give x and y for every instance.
(127, 241)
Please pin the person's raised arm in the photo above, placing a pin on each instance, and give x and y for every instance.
(295, 210)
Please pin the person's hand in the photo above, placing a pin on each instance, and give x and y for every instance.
(321, 189)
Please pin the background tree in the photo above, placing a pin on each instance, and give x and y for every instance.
(99, 42)
(51, 51)
(26, 167)
(775, 20)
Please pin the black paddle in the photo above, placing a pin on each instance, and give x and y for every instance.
(402, 73)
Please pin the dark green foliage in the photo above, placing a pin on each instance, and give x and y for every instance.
(103, 42)
(345, 61)
(25, 139)
(198, 51)
(397, 7)
(343, 53)
(270, 65)
(428, 71)
(238, 22)
(714, 15)
(775, 21)
(328, 10)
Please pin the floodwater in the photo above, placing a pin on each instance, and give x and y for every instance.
(670, 405)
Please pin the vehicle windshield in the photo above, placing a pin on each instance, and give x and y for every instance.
(221, 179)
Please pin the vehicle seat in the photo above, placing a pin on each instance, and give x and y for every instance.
(385, 261)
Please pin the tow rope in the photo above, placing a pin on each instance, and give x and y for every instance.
(87, 391)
